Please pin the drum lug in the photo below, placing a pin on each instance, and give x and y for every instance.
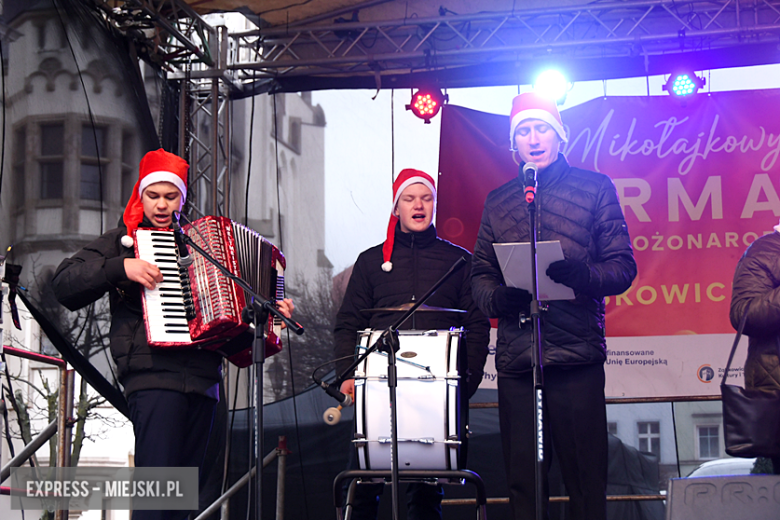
(420, 440)
(360, 441)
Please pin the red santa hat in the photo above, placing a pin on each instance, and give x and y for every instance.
(405, 179)
(531, 105)
(156, 166)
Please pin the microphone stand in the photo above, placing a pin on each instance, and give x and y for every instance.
(536, 344)
(388, 342)
(259, 310)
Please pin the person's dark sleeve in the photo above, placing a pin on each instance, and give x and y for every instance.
(477, 333)
(485, 271)
(614, 267)
(89, 274)
(756, 288)
(349, 320)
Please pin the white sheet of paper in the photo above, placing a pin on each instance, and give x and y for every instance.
(515, 262)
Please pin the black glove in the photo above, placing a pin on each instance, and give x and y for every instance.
(511, 301)
(571, 273)
(474, 379)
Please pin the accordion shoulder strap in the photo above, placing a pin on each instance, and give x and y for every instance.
(736, 342)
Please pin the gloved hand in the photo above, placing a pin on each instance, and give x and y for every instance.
(474, 379)
(510, 301)
(571, 273)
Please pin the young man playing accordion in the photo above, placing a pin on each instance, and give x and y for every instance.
(172, 393)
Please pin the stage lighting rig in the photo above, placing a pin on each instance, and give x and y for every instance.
(684, 84)
(426, 103)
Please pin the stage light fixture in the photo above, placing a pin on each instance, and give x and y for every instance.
(552, 84)
(426, 103)
(684, 84)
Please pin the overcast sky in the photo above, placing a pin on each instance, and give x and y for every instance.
(365, 147)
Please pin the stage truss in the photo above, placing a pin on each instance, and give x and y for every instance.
(449, 50)
(321, 50)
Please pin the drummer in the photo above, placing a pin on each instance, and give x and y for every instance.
(398, 272)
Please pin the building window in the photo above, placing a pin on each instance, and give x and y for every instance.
(709, 441)
(279, 106)
(93, 144)
(649, 434)
(612, 428)
(294, 134)
(51, 160)
(41, 30)
(19, 149)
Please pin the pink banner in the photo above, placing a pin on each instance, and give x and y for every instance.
(698, 183)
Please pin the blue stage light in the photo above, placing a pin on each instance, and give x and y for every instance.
(684, 84)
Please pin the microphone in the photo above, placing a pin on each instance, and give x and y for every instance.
(332, 415)
(529, 181)
(331, 390)
(185, 259)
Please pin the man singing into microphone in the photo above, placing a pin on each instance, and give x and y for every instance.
(580, 209)
(172, 394)
(399, 271)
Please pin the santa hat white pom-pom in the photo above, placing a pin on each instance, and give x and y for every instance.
(387, 267)
(127, 241)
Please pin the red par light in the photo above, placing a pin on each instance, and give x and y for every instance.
(426, 104)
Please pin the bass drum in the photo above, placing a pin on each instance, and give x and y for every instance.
(432, 406)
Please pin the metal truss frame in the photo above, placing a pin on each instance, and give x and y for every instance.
(194, 54)
(205, 142)
(213, 66)
(166, 31)
(592, 30)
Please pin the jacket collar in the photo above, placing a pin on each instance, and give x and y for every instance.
(552, 173)
(145, 223)
(421, 238)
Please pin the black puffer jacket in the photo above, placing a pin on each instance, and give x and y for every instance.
(757, 284)
(580, 208)
(419, 260)
(99, 268)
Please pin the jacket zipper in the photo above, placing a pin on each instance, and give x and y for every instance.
(538, 207)
(414, 269)
(414, 279)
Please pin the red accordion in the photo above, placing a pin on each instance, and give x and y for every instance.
(198, 306)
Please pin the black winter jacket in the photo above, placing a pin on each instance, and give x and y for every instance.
(580, 208)
(419, 260)
(99, 268)
(757, 284)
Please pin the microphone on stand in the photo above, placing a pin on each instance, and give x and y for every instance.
(185, 259)
(333, 415)
(528, 179)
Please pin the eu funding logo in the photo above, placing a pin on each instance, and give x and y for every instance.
(87, 488)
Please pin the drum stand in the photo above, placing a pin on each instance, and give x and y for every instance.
(388, 342)
(256, 313)
(343, 513)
